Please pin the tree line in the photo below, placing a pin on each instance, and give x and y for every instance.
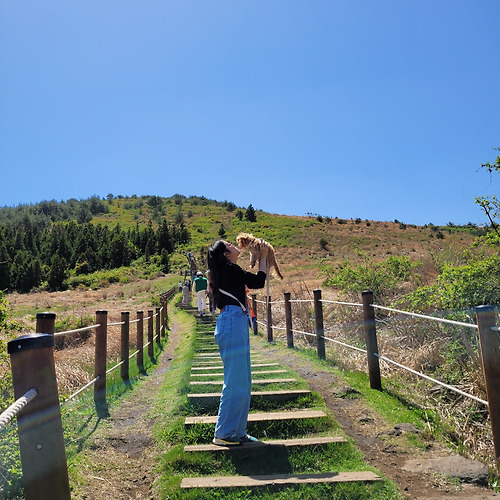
(32, 255)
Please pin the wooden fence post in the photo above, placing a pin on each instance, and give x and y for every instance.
(150, 335)
(164, 302)
(46, 323)
(158, 324)
(101, 346)
(140, 340)
(288, 319)
(41, 440)
(491, 365)
(125, 345)
(318, 318)
(371, 340)
(269, 320)
(254, 307)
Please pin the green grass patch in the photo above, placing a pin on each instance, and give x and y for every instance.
(176, 464)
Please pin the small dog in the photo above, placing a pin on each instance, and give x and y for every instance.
(246, 240)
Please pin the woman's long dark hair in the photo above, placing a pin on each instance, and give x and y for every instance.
(216, 258)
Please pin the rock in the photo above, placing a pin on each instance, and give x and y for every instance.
(468, 471)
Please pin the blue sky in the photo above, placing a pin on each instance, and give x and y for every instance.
(380, 109)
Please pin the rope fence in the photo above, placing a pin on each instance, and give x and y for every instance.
(486, 327)
(433, 318)
(33, 365)
(16, 407)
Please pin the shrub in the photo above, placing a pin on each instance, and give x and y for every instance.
(382, 278)
(460, 287)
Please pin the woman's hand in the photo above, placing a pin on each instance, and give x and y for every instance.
(264, 248)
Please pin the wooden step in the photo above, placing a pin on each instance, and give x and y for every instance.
(275, 479)
(264, 381)
(263, 372)
(213, 397)
(261, 417)
(272, 442)
(219, 366)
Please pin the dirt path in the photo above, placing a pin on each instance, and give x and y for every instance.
(383, 446)
(123, 455)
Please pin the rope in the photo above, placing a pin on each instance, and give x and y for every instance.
(132, 355)
(16, 407)
(81, 390)
(346, 345)
(341, 303)
(496, 328)
(469, 325)
(115, 367)
(302, 300)
(450, 387)
(84, 329)
(117, 323)
(135, 321)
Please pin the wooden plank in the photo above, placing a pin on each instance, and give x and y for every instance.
(274, 395)
(219, 366)
(263, 372)
(273, 442)
(277, 479)
(265, 381)
(261, 417)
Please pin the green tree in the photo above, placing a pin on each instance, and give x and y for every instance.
(490, 205)
(250, 214)
(58, 272)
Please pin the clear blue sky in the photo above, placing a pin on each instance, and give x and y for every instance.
(379, 109)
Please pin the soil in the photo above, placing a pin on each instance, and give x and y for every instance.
(125, 451)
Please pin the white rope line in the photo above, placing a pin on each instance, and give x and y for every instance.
(132, 355)
(135, 320)
(346, 345)
(278, 328)
(145, 345)
(450, 387)
(115, 367)
(81, 390)
(260, 301)
(302, 300)
(261, 323)
(117, 323)
(304, 333)
(84, 329)
(16, 407)
(341, 303)
(496, 328)
(469, 325)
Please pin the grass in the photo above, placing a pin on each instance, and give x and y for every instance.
(174, 464)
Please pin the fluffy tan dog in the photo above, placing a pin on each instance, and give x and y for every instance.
(246, 240)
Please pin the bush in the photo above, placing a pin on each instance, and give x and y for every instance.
(460, 287)
(382, 278)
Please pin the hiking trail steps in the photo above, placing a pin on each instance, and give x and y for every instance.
(206, 359)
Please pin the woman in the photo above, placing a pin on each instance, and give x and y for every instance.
(227, 287)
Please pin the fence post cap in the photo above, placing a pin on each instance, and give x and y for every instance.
(101, 312)
(30, 341)
(366, 292)
(45, 315)
(484, 308)
(126, 312)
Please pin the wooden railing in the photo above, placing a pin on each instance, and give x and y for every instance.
(41, 442)
(489, 338)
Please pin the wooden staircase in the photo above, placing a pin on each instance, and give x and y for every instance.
(208, 365)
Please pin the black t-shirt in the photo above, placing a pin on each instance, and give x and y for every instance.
(233, 280)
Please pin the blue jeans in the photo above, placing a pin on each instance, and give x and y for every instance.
(231, 335)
